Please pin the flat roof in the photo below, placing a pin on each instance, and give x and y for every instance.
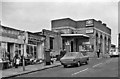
(74, 35)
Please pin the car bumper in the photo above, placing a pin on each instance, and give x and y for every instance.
(114, 55)
(69, 63)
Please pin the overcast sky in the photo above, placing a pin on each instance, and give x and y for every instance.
(35, 16)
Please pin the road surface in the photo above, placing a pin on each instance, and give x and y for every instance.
(104, 67)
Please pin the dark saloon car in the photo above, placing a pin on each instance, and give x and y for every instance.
(74, 58)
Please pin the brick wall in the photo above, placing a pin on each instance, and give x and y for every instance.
(63, 22)
(81, 24)
(102, 27)
(57, 41)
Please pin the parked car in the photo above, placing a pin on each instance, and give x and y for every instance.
(74, 58)
(114, 53)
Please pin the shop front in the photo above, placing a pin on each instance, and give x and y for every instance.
(10, 44)
(34, 46)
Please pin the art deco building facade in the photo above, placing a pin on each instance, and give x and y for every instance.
(84, 35)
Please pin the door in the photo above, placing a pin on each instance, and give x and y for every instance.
(71, 46)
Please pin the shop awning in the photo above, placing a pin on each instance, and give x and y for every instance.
(74, 35)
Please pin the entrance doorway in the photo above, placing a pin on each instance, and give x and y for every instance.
(71, 46)
(10, 49)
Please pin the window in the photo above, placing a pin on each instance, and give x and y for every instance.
(35, 51)
(63, 43)
(51, 43)
(71, 54)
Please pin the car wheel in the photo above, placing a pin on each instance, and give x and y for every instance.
(86, 62)
(65, 66)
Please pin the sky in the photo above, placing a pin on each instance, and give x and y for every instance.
(35, 15)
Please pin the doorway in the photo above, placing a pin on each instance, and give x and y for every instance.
(10, 49)
(71, 46)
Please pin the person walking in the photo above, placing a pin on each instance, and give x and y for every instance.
(16, 61)
(98, 53)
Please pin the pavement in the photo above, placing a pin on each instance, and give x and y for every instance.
(12, 72)
(96, 67)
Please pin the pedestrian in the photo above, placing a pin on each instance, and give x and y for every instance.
(98, 53)
(51, 56)
(16, 61)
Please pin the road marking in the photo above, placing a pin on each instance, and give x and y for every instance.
(97, 64)
(80, 71)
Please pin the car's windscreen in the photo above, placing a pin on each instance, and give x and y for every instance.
(70, 54)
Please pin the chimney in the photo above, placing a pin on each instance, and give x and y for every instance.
(104, 24)
(99, 21)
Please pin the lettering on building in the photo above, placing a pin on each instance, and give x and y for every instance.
(7, 32)
(89, 23)
(89, 30)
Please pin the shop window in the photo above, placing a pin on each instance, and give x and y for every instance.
(86, 47)
(3, 52)
(31, 51)
(71, 46)
(27, 49)
(63, 43)
(18, 49)
(35, 51)
(92, 47)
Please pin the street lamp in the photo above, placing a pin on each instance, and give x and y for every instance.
(24, 39)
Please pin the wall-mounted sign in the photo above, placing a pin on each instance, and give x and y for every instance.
(11, 33)
(89, 23)
(86, 42)
(66, 31)
(89, 30)
(35, 38)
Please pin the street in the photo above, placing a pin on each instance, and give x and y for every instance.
(103, 67)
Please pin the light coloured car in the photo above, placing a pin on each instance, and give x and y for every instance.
(114, 53)
(74, 58)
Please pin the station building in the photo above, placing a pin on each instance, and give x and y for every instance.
(14, 41)
(84, 35)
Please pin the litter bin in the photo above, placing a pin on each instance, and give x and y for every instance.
(47, 57)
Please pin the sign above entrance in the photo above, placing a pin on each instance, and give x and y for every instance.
(35, 38)
(86, 42)
(89, 22)
(89, 30)
(9, 32)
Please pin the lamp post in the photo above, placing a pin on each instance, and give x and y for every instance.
(24, 39)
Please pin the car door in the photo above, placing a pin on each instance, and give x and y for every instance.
(80, 57)
(77, 58)
(83, 58)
